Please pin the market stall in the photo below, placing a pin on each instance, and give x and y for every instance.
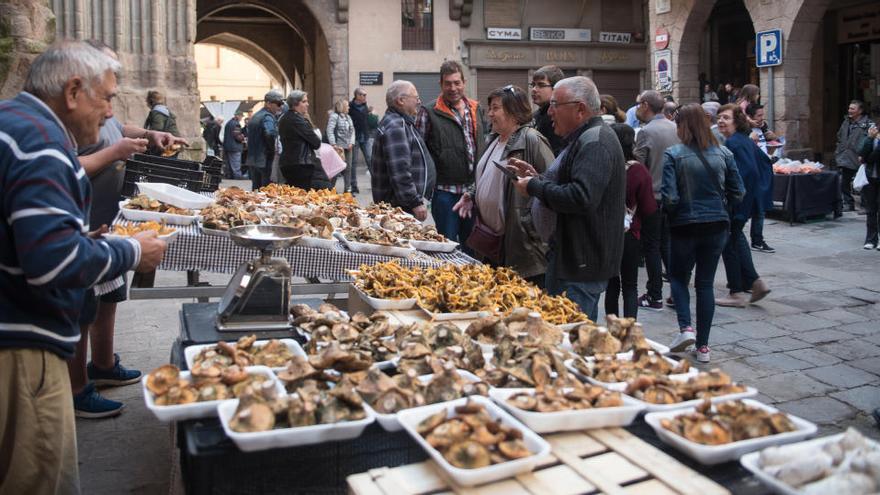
(806, 191)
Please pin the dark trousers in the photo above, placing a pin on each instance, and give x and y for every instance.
(655, 247)
(756, 230)
(628, 280)
(447, 221)
(871, 204)
(367, 151)
(738, 263)
(847, 176)
(260, 176)
(699, 254)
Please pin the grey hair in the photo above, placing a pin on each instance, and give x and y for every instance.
(582, 89)
(295, 97)
(63, 61)
(396, 90)
(359, 90)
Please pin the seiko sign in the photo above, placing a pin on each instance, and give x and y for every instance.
(560, 34)
(504, 33)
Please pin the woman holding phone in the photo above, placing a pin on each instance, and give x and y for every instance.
(503, 233)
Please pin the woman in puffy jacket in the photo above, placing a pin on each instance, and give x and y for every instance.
(700, 180)
(298, 142)
(340, 135)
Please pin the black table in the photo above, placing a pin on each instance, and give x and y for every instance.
(211, 463)
(807, 195)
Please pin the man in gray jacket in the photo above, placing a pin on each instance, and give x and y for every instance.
(849, 139)
(262, 130)
(656, 135)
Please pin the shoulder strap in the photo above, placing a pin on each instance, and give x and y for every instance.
(712, 174)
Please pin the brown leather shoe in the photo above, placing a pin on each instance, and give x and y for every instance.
(737, 300)
(759, 291)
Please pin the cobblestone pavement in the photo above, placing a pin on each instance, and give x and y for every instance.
(812, 348)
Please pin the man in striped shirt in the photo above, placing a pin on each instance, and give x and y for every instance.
(48, 259)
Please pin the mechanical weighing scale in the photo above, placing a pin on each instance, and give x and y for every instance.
(258, 295)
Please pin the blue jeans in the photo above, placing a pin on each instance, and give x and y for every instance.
(687, 252)
(585, 294)
(260, 176)
(756, 230)
(738, 265)
(366, 149)
(233, 162)
(447, 221)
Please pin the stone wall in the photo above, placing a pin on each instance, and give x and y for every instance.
(799, 21)
(26, 28)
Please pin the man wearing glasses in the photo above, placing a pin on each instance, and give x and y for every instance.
(542, 90)
(403, 171)
(359, 112)
(579, 201)
(453, 127)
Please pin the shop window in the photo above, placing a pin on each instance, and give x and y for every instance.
(417, 18)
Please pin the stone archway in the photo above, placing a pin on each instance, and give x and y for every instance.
(799, 21)
(257, 54)
(303, 38)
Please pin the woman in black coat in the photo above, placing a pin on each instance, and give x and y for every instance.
(298, 142)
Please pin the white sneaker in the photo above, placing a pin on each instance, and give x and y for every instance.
(869, 246)
(685, 338)
(703, 354)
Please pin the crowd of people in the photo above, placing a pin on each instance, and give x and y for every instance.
(572, 196)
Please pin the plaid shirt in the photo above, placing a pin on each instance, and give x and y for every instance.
(468, 129)
(403, 171)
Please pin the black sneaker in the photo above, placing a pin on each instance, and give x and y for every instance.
(645, 302)
(762, 247)
(355, 190)
(115, 376)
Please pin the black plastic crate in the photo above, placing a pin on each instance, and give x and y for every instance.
(212, 182)
(168, 162)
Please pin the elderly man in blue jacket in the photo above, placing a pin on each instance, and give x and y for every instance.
(262, 130)
(48, 259)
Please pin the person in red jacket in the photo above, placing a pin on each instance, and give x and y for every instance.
(640, 203)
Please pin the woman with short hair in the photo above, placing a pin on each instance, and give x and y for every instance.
(340, 135)
(741, 273)
(298, 142)
(503, 233)
(700, 181)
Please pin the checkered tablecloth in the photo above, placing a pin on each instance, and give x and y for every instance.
(194, 250)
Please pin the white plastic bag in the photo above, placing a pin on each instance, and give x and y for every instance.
(861, 179)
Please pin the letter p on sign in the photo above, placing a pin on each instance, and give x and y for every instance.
(768, 48)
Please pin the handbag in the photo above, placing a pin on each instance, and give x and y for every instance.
(485, 242)
(861, 178)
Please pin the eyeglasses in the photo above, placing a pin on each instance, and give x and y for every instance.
(417, 97)
(554, 103)
(540, 85)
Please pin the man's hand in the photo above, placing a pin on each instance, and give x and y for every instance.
(464, 206)
(128, 146)
(164, 139)
(152, 250)
(872, 132)
(521, 186)
(522, 169)
(97, 233)
(420, 212)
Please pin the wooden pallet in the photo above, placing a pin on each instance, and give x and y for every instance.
(609, 460)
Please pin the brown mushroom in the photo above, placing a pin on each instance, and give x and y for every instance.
(468, 455)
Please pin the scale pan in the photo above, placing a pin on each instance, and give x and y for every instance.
(264, 237)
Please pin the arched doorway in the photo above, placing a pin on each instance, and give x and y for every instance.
(287, 37)
(728, 52)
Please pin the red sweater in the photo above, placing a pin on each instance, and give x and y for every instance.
(639, 194)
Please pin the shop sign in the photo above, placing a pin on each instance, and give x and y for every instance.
(559, 34)
(663, 68)
(606, 37)
(503, 33)
(858, 23)
(661, 39)
(504, 55)
(370, 78)
(663, 6)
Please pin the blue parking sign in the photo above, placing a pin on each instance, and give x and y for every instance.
(768, 48)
